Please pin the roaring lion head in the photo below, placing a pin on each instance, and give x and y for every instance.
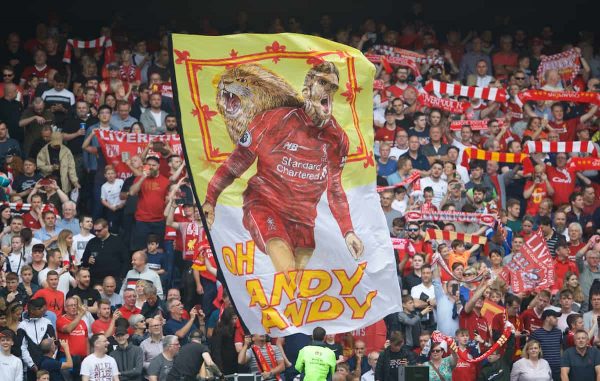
(248, 89)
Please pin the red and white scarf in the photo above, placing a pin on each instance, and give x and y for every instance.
(437, 258)
(414, 176)
(566, 63)
(476, 125)
(558, 96)
(444, 235)
(378, 84)
(487, 93)
(446, 104)
(392, 51)
(404, 244)
(577, 164)
(97, 43)
(18, 207)
(556, 147)
(476, 218)
(387, 61)
(262, 362)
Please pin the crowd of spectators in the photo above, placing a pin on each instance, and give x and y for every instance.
(107, 278)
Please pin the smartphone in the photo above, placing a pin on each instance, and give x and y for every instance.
(125, 156)
(45, 181)
(454, 289)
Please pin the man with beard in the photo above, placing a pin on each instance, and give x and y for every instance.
(398, 88)
(171, 125)
(299, 151)
(32, 120)
(439, 186)
(152, 188)
(88, 295)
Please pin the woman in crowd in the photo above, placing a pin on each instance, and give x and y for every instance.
(140, 296)
(137, 323)
(222, 342)
(64, 244)
(440, 367)
(531, 367)
(572, 284)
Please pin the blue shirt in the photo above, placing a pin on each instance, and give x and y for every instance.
(157, 261)
(72, 225)
(118, 124)
(388, 168)
(421, 163)
(550, 342)
(172, 326)
(43, 235)
(90, 161)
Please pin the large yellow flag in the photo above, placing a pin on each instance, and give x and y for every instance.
(278, 136)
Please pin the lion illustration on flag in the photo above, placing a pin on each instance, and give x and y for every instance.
(247, 90)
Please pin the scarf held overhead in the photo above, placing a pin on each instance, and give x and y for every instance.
(450, 105)
(487, 93)
(97, 43)
(558, 96)
(445, 235)
(476, 218)
(476, 125)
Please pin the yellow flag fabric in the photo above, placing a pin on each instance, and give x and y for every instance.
(277, 133)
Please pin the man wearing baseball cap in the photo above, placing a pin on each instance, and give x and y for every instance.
(12, 366)
(550, 339)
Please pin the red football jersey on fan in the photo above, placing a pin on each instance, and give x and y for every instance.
(42, 73)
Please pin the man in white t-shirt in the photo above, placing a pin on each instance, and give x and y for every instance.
(434, 180)
(12, 366)
(426, 288)
(98, 366)
(54, 261)
(81, 240)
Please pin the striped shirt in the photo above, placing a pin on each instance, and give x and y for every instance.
(551, 343)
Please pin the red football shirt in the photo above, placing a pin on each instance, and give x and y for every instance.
(563, 183)
(539, 193)
(100, 326)
(54, 299)
(464, 370)
(474, 323)
(566, 129)
(151, 202)
(78, 337)
(531, 320)
(31, 222)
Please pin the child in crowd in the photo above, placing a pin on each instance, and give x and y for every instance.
(157, 260)
(410, 320)
(109, 196)
(27, 287)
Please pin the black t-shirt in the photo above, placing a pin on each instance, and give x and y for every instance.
(336, 348)
(131, 203)
(24, 182)
(89, 295)
(73, 125)
(188, 361)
